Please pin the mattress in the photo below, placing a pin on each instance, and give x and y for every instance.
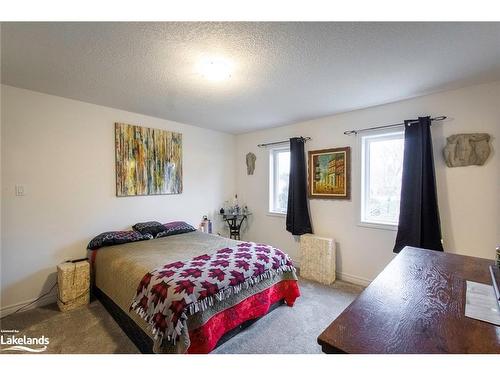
(120, 268)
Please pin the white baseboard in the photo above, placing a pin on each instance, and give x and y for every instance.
(353, 279)
(46, 300)
(346, 277)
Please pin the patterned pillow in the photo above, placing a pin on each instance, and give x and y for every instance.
(175, 227)
(116, 238)
(149, 227)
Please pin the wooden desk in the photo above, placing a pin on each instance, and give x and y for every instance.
(416, 305)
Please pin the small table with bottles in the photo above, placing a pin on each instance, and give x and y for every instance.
(234, 221)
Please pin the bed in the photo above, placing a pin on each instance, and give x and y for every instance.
(120, 270)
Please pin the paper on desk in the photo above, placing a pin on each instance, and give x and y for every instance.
(481, 303)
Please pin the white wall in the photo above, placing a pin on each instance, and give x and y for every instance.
(63, 151)
(468, 197)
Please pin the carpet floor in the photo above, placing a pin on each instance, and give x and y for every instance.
(91, 329)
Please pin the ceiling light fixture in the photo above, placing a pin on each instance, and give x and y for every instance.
(215, 69)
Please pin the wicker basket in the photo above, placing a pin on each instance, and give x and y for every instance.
(74, 285)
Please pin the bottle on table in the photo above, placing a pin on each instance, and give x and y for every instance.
(204, 224)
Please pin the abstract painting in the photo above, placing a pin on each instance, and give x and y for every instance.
(148, 161)
(329, 173)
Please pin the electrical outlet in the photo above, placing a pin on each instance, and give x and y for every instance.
(20, 190)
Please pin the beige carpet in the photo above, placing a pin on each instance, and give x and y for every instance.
(91, 329)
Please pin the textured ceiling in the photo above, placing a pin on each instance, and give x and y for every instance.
(283, 72)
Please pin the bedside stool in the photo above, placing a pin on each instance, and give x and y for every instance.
(73, 279)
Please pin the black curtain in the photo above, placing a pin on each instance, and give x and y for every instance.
(297, 215)
(419, 224)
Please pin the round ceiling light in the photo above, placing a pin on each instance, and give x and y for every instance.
(215, 69)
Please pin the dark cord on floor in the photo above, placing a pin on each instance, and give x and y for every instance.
(47, 293)
(30, 303)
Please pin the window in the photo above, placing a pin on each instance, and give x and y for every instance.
(381, 168)
(279, 170)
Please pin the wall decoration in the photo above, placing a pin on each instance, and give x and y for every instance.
(330, 173)
(148, 161)
(466, 149)
(251, 162)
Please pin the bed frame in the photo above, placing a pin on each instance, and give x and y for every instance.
(141, 340)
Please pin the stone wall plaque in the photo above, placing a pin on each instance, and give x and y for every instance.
(250, 162)
(466, 149)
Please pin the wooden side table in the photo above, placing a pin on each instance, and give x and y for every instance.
(73, 279)
(234, 222)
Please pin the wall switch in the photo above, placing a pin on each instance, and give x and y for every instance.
(20, 190)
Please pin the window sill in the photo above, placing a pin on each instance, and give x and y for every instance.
(276, 214)
(390, 227)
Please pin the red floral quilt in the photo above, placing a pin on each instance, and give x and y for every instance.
(168, 295)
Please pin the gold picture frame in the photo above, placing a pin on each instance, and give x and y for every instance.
(329, 174)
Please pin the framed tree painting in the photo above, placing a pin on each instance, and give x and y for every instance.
(330, 173)
(148, 161)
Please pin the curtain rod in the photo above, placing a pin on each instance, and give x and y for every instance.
(280, 142)
(349, 132)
